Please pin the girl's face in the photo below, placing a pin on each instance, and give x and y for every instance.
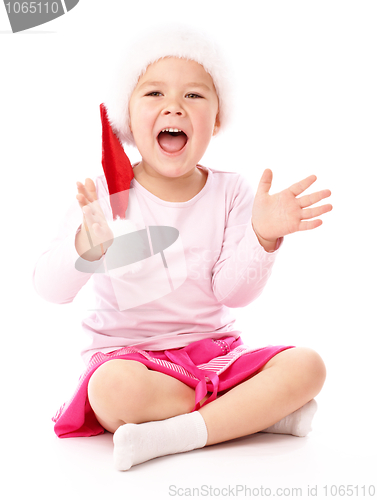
(173, 94)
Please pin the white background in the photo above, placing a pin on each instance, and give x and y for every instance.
(305, 102)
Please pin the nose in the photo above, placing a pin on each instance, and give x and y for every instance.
(173, 107)
(172, 111)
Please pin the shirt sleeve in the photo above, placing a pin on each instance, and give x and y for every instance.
(55, 277)
(243, 267)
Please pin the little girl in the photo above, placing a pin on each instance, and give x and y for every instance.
(167, 371)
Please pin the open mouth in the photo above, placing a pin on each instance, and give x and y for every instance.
(172, 140)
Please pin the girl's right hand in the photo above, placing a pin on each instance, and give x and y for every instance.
(94, 222)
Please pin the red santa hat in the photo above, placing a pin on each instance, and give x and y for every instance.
(117, 168)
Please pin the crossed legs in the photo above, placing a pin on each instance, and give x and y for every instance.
(122, 391)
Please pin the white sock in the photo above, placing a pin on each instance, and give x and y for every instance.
(297, 423)
(137, 443)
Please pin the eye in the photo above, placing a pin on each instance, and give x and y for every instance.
(155, 93)
(194, 96)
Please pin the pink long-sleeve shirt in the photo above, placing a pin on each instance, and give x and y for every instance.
(187, 280)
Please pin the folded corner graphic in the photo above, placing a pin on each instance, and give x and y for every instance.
(71, 3)
(24, 15)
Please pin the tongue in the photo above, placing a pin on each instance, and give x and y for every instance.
(171, 142)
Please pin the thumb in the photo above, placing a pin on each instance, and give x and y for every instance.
(265, 182)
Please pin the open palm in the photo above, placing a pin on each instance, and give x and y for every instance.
(94, 219)
(284, 213)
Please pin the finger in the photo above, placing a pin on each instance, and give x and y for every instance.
(83, 201)
(310, 224)
(84, 195)
(300, 187)
(265, 182)
(91, 188)
(311, 199)
(80, 187)
(88, 190)
(309, 213)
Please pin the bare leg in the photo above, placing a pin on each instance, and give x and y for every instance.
(122, 391)
(288, 381)
(125, 391)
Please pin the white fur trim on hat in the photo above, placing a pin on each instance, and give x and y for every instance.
(174, 41)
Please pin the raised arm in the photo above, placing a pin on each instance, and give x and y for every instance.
(55, 277)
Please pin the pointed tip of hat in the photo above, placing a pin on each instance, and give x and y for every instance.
(116, 166)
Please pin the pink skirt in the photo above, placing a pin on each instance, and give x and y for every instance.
(208, 366)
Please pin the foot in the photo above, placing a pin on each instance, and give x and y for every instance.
(297, 423)
(137, 443)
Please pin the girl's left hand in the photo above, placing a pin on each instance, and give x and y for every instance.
(277, 215)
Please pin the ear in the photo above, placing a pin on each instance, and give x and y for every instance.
(216, 128)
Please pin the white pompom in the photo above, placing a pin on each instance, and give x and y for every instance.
(122, 226)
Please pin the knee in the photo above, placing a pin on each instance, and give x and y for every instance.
(117, 387)
(311, 369)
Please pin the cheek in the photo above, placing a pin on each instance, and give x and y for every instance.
(141, 121)
(204, 127)
(207, 118)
